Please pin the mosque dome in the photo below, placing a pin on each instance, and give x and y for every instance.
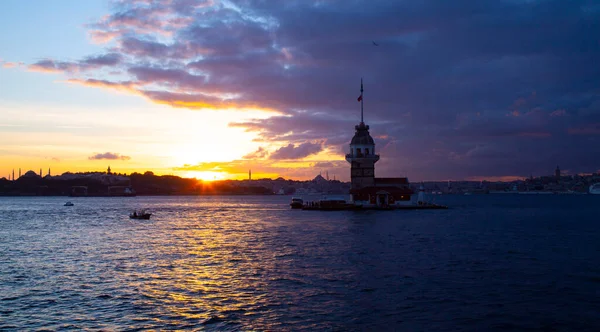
(31, 174)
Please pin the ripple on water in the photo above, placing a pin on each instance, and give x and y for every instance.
(250, 263)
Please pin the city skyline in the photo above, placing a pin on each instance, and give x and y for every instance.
(210, 89)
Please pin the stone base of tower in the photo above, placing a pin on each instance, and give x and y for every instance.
(385, 192)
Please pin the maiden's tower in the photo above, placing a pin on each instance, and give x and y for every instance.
(368, 191)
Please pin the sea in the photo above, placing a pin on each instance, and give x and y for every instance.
(250, 263)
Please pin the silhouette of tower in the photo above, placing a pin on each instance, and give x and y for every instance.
(250, 175)
(362, 157)
(108, 170)
(19, 171)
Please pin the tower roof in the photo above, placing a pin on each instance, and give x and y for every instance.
(362, 136)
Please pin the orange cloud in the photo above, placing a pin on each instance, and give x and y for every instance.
(103, 37)
(127, 86)
(505, 178)
(296, 169)
(11, 64)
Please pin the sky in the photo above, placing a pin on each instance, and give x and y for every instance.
(453, 90)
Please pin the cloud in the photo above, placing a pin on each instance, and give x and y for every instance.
(110, 59)
(585, 130)
(297, 152)
(108, 156)
(520, 77)
(6, 64)
(51, 66)
(102, 37)
(121, 86)
(88, 63)
(294, 169)
(258, 154)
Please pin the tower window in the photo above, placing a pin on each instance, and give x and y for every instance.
(358, 152)
(367, 151)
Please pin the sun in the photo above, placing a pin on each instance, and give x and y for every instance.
(204, 175)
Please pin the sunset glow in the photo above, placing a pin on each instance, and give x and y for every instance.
(205, 176)
(221, 87)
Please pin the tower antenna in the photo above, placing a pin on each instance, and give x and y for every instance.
(361, 101)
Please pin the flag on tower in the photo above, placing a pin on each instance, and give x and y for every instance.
(360, 97)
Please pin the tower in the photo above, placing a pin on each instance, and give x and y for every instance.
(557, 173)
(362, 157)
(250, 175)
(108, 170)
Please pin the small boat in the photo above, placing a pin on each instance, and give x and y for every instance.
(296, 203)
(140, 215)
(69, 204)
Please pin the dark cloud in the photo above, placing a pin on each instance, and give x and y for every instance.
(110, 59)
(297, 152)
(454, 89)
(89, 63)
(108, 156)
(51, 66)
(144, 48)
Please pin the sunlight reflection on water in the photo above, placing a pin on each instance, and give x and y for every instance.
(251, 263)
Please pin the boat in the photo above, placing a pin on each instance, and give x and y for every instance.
(296, 203)
(330, 203)
(140, 215)
(595, 189)
(69, 204)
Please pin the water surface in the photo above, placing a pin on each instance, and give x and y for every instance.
(491, 262)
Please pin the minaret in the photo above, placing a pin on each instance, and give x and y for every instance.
(19, 171)
(40, 172)
(362, 157)
(249, 175)
(48, 171)
(13, 174)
